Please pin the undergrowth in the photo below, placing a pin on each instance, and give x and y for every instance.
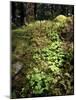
(47, 64)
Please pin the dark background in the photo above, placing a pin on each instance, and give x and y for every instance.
(23, 13)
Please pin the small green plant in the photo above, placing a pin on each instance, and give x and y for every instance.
(38, 81)
(54, 36)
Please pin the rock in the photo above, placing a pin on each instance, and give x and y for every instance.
(60, 18)
(16, 68)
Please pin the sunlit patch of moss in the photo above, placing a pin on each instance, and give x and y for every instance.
(60, 18)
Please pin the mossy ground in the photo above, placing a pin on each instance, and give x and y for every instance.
(46, 59)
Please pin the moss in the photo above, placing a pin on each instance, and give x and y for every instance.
(46, 58)
(60, 18)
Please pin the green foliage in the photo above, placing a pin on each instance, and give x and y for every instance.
(55, 57)
(48, 69)
(54, 36)
(36, 80)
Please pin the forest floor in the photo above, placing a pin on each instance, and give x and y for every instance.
(42, 58)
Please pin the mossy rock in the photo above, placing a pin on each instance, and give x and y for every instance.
(60, 18)
(59, 23)
(64, 19)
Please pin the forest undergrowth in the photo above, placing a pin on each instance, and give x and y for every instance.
(43, 58)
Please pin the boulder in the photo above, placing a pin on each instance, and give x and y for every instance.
(60, 18)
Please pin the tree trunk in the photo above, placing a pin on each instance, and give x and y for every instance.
(13, 10)
(22, 14)
(35, 8)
